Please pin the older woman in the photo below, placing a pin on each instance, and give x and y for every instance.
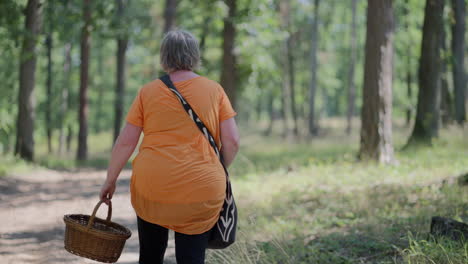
(178, 182)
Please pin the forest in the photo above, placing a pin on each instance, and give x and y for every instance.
(352, 116)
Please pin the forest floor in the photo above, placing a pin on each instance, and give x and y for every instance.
(32, 207)
(302, 201)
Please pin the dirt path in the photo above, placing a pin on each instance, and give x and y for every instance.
(32, 207)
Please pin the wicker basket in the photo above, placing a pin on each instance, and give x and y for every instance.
(94, 238)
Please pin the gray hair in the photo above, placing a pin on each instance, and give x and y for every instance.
(179, 51)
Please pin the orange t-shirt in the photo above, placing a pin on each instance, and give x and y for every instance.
(178, 181)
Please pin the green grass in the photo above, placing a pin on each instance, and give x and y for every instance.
(11, 165)
(311, 201)
(432, 250)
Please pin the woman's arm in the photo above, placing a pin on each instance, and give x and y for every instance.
(229, 140)
(123, 149)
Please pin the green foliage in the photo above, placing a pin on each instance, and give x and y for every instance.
(259, 48)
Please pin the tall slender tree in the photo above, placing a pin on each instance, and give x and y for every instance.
(446, 106)
(49, 98)
(229, 68)
(458, 51)
(409, 72)
(271, 113)
(206, 26)
(428, 109)
(170, 15)
(122, 41)
(287, 59)
(376, 114)
(26, 101)
(290, 44)
(65, 104)
(352, 63)
(101, 86)
(64, 97)
(313, 126)
(82, 153)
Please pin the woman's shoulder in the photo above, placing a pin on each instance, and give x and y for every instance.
(151, 86)
(206, 82)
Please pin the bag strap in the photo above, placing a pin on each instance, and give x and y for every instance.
(166, 79)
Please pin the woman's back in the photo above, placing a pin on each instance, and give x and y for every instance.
(176, 168)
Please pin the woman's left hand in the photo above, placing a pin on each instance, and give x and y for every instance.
(107, 191)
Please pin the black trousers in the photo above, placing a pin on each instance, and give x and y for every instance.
(189, 249)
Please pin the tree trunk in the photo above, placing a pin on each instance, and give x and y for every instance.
(290, 72)
(26, 102)
(352, 62)
(409, 93)
(203, 36)
(376, 115)
(313, 127)
(409, 74)
(445, 99)
(427, 113)
(82, 153)
(271, 114)
(288, 107)
(458, 49)
(100, 88)
(292, 84)
(446, 112)
(64, 98)
(120, 87)
(49, 98)
(170, 14)
(70, 136)
(229, 71)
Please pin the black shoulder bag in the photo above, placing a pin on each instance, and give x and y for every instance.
(223, 232)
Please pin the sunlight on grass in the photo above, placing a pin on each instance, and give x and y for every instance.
(311, 201)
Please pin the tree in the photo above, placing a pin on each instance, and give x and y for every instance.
(352, 62)
(101, 87)
(122, 41)
(290, 44)
(288, 67)
(313, 127)
(427, 112)
(170, 15)
(229, 70)
(82, 153)
(49, 45)
(64, 98)
(458, 49)
(26, 103)
(446, 106)
(67, 29)
(409, 74)
(206, 26)
(376, 114)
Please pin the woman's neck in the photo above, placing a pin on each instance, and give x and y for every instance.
(179, 76)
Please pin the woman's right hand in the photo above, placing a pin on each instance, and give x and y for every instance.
(107, 191)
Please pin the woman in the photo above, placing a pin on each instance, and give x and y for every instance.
(178, 182)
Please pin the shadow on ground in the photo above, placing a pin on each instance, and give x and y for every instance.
(43, 243)
(19, 193)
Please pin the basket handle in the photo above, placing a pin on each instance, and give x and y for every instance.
(109, 213)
